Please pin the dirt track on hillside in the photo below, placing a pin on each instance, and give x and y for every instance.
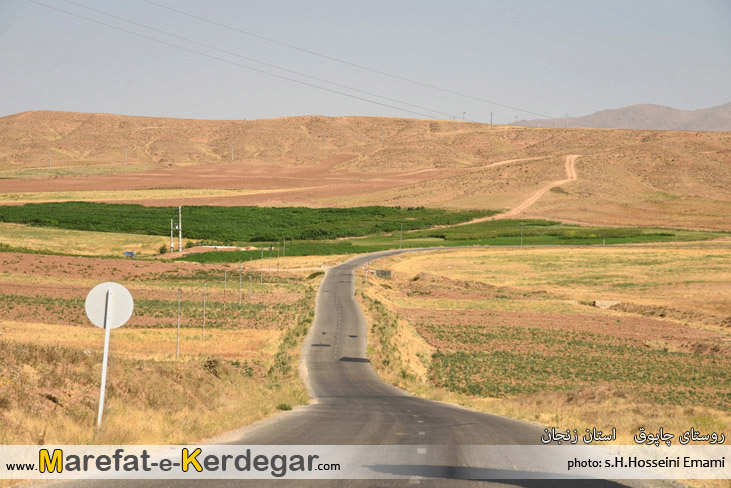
(570, 166)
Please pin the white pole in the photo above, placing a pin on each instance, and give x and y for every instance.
(177, 344)
(521, 233)
(204, 309)
(172, 245)
(105, 360)
(180, 229)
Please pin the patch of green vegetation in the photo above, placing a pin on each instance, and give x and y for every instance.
(503, 232)
(234, 224)
(539, 232)
(522, 360)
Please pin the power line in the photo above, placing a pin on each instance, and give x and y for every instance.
(231, 62)
(254, 60)
(342, 61)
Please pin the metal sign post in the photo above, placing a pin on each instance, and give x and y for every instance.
(105, 360)
(108, 306)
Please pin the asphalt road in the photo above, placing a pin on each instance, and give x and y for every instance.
(352, 406)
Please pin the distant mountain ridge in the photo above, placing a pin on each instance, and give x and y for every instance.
(647, 116)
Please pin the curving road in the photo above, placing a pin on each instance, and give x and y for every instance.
(351, 405)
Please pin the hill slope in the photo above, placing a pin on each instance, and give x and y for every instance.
(653, 117)
(620, 177)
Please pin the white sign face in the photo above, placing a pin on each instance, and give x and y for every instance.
(120, 305)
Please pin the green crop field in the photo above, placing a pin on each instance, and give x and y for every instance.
(524, 360)
(503, 232)
(327, 231)
(234, 224)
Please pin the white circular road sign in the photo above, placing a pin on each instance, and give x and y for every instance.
(117, 311)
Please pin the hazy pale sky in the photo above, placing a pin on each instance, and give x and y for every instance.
(549, 57)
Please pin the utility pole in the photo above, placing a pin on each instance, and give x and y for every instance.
(180, 229)
(490, 120)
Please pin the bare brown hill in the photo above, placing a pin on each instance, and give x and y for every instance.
(620, 177)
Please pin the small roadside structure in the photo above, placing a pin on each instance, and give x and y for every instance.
(129, 254)
(605, 304)
(383, 273)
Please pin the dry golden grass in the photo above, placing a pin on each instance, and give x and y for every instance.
(129, 195)
(79, 242)
(157, 344)
(691, 283)
(312, 263)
